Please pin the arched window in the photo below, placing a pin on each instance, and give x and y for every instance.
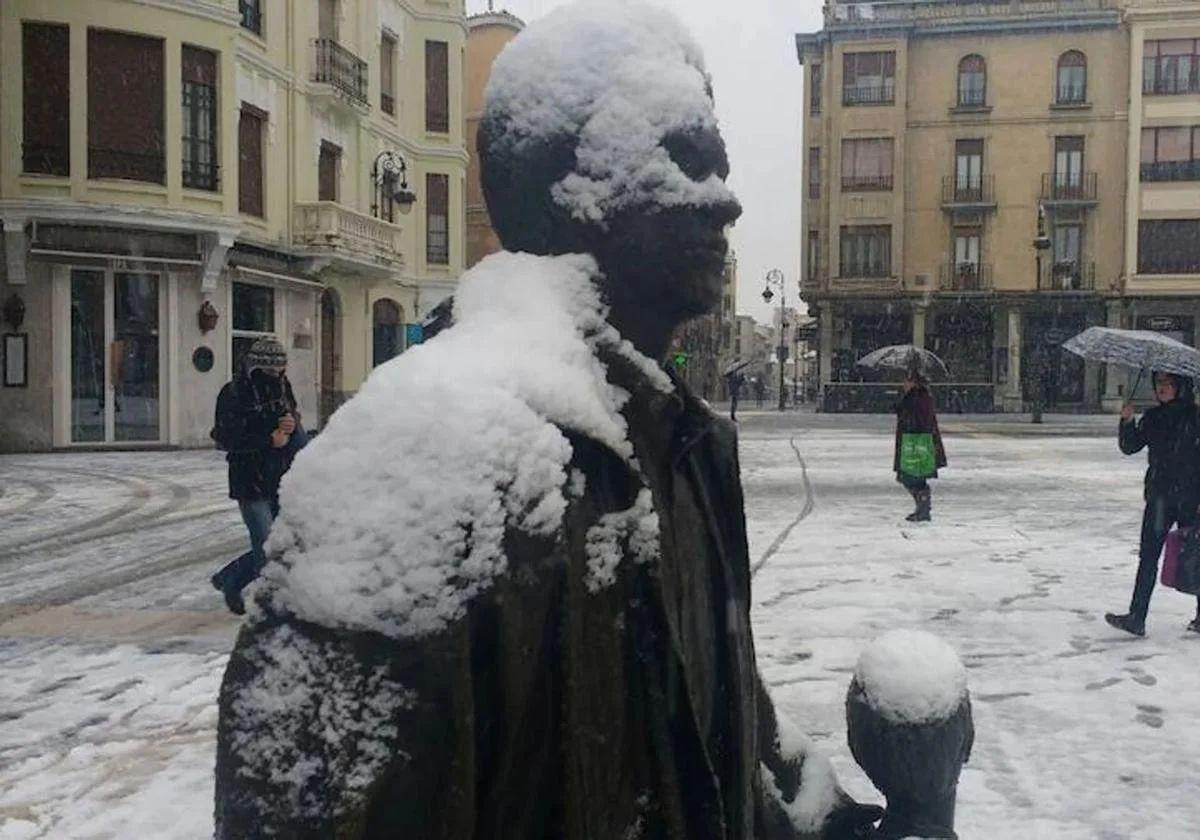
(972, 82)
(1072, 78)
(387, 330)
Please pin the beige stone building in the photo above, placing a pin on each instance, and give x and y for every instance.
(179, 178)
(487, 35)
(709, 342)
(934, 132)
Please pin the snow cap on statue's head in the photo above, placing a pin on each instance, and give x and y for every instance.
(613, 79)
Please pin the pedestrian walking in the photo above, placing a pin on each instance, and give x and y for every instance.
(760, 391)
(736, 380)
(1172, 485)
(919, 453)
(258, 425)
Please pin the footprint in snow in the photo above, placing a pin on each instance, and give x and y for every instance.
(1141, 677)
(1153, 721)
(1096, 686)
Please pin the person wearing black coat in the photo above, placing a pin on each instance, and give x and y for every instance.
(915, 413)
(1170, 431)
(258, 426)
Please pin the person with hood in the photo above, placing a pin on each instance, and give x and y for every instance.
(915, 414)
(1172, 486)
(258, 426)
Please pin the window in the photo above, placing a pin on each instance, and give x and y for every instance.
(972, 82)
(437, 219)
(966, 250)
(387, 331)
(253, 317)
(1169, 246)
(812, 256)
(816, 78)
(199, 118)
(125, 107)
(437, 86)
(327, 20)
(329, 166)
(1171, 154)
(814, 172)
(1171, 66)
(387, 74)
(252, 15)
(250, 161)
(866, 251)
(47, 95)
(867, 164)
(1072, 79)
(868, 78)
(1068, 167)
(1066, 270)
(968, 170)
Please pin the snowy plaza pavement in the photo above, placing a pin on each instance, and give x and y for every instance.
(113, 643)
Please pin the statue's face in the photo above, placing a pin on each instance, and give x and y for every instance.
(673, 258)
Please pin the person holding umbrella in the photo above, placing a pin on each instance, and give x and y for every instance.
(919, 452)
(1170, 432)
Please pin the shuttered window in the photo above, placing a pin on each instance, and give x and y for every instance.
(437, 86)
(199, 118)
(46, 52)
(437, 219)
(125, 107)
(250, 161)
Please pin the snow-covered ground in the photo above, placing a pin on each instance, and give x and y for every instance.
(112, 644)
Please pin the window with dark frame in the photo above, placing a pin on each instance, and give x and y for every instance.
(252, 15)
(1068, 167)
(972, 82)
(199, 118)
(1171, 153)
(965, 266)
(1169, 246)
(437, 86)
(437, 219)
(867, 165)
(1071, 88)
(125, 120)
(968, 170)
(816, 79)
(814, 172)
(1067, 253)
(868, 78)
(1171, 66)
(387, 74)
(250, 161)
(387, 331)
(46, 84)
(813, 256)
(329, 165)
(866, 251)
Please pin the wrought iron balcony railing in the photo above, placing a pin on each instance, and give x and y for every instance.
(1171, 170)
(1068, 276)
(977, 190)
(870, 94)
(866, 183)
(338, 67)
(1070, 187)
(966, 277)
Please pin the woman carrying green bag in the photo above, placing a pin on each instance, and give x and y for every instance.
(919, 451)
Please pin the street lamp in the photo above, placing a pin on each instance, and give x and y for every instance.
(1040, 243)
(389, 167)
(775, 278)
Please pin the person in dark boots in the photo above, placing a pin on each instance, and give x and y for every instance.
(1172, 485)
(915, 413)
(258, 426)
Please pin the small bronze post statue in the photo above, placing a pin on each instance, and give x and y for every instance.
(910, 729)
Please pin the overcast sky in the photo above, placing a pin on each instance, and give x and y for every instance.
(750, 51)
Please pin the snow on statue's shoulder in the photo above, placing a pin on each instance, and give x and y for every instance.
(910, 676)
(393, 518)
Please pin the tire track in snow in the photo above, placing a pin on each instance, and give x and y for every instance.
(805, 510)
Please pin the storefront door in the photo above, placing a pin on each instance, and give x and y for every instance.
(115, 357)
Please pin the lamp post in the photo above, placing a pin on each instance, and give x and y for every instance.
(1040, 243)
(775, 279)
(389, 167)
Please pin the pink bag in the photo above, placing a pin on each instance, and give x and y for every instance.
(1170, 565)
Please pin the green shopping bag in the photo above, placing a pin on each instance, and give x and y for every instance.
(918, 457)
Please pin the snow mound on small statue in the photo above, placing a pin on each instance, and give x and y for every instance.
(910, 676)
(621, 75)
(395, 516)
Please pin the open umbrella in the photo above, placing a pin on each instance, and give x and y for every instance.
(1141, 349)
(736, 365)
(905, 357)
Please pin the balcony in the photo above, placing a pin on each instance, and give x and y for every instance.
(358, 240)
(977, 193)
(866, 183)
(870, 94)
(1068, 276)
(1171, 170)
(341, 69)
(965, 277)
(1077, 189)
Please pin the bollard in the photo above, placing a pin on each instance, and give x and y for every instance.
(908, 715)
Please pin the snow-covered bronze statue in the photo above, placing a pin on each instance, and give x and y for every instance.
(508, 594)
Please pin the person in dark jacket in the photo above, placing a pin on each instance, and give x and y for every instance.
(258, 426)
(915, 413)
(1170, 431)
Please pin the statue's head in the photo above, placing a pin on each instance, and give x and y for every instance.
(599, 137)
